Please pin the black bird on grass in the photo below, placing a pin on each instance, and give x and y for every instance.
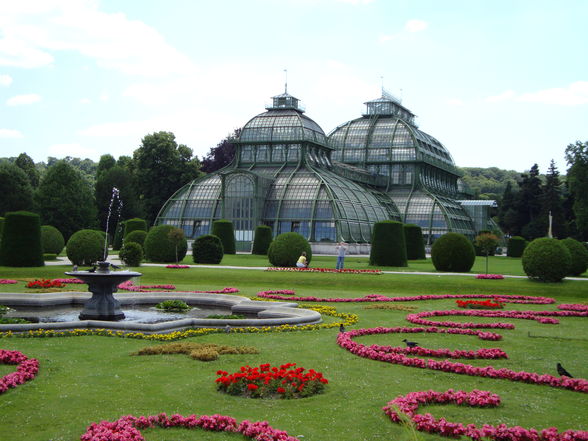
(561, 371)
(114, 266)
(410, 344)
(341, 328)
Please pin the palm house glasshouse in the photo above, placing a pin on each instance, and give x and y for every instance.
(289, 175)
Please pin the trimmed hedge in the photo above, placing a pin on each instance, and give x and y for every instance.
(223, 229)
(579, 254)
(85, 247)
(415, 245)
(453, 252)
(137, 236)
(118, 236)
(134, 225)
(286, 248)
(131, 253)
(21, 240)
(262, 240)
(1, 227)
(207, 249)
(49, 256)
(516, 246)
(52, 240)
(160, 248)
(546, 260)
(388, 244)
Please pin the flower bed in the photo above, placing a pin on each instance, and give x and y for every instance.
(128, 427)
(7, 282)
(27, 369)
(265, 381)
(45, 284)
(325, 270)
(68, 281)
(479, 304)
(345, 340)
(490, 276)
(177, 266)
(573, 307)
(410, 403)
(130, 286)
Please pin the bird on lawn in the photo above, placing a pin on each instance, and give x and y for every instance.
(561, 371)
(114, 266)
(341, 328)
(228, 329)
(410, 344)
(75, 268)
(92, 270)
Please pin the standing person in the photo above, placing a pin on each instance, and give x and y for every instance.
(341, 250)
(302, 262)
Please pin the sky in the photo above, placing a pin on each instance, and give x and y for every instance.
(500, 83)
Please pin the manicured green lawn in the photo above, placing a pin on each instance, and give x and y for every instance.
(87, 379)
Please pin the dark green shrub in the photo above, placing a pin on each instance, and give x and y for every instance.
(516, 246)
(223, 229)
(415, 245)
(21, 240)
(1, 227)
(453, 252)
(137, 236)
(262, 240)
(579, 254)
(388, 244)
(85, 247)
(49, 256)
(286, 248)
(159, 247)
(134, 225)
(118, 236)
(207, 249)
(52, 240)
(131, 254)
(546, 260)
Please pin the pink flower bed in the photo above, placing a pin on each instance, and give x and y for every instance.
(27, 369)
(128, 427)
(69, 280)
(490, 276)
(325, 270)
(7, 282)
(573, 307)
(345, 340)
(130, 286)
(177, 266)
(381, 298)
(410, 403)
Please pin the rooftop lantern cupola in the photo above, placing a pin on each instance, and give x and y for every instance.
(389, 105)
(285, 101)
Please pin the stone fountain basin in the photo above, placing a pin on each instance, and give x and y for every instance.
(268, 313)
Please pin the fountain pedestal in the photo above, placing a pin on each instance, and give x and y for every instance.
(102, 283)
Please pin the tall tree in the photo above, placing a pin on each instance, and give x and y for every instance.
(65, 199)
(577, 159)
(221, 155)
(552, 201)
(26, 163)
(529, 206)
(16, 192)
(121, 179)
(106, 162)
(508, 217)
(160, 168)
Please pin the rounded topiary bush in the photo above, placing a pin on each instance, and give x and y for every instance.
(415, 245)
(131, 254)
(388, 244)
(516, 246)
(85, 247)
(546, 260)
(21, 240)
(118, 236)
(207, 249)
(286, 248)
(453, 252)
(137, 236)
(579, 254)
(223, 229)
(134, 225)
(262, 240)
(52, 240)
(160, 247)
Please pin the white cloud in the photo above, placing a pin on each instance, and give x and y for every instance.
(73, 149)
(455, 102)
(574, 94)
(9, 133)
(416, 25)
(85, 101)
(5, 80)
(386, 37)
(31, 34)
(23, 100)
(504, 96)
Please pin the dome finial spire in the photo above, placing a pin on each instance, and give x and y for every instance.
(382, 80)
(286, 82)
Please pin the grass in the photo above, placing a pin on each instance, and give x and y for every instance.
(86, 379)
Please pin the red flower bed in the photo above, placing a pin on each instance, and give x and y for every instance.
(325, 270)
(479, 304)
(128, 427)
(45, 283)
(287, 381)
(410, 403)
(27, 369)
(490, 276)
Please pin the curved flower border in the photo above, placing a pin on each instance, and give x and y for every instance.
(27, 369)
(410, 403)
(323, 270)
(127, 428)
(490, 276)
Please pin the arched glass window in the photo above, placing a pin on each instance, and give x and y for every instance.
(239, 205)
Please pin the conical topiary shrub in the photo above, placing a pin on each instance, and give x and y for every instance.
(262, 240)
(223, 229)
(21, 240)
(415, 245)
(388, 244)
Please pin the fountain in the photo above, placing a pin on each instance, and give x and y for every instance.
(102, 282)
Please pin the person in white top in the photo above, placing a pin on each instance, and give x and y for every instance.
(341, 250)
